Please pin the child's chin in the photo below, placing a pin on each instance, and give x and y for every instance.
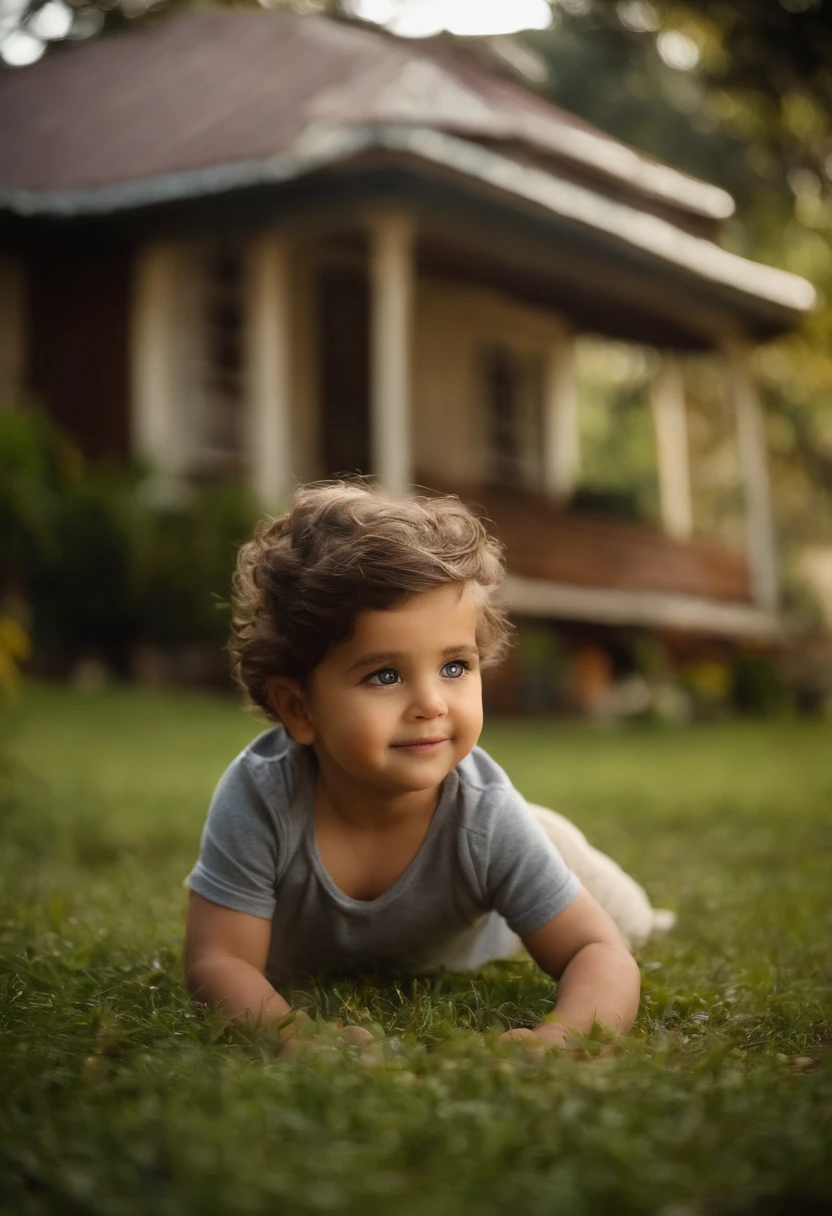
(421, 776)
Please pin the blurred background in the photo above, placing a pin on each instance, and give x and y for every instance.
(569, 259)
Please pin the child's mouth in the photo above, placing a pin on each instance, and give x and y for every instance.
(421, 747)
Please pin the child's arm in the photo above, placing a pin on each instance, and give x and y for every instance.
(225, 961)
(598, 978)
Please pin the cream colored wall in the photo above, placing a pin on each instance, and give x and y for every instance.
(453, 323)
(166, 415)
(12, 331)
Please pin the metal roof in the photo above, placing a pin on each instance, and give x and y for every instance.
(209, 103)
(205, 89)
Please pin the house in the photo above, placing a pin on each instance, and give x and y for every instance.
(282, 246)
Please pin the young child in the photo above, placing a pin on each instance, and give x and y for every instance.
(367, 829)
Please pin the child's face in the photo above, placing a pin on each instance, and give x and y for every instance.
(400, 703)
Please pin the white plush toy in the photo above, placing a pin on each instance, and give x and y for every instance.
(619, 895)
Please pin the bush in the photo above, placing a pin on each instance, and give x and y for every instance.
(14, 650)
(186, 564)
(758, 688)
(618, 502)
(38, 466)
(102, 569)
(84, 595)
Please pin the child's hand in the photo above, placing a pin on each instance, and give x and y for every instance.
(548, 1036)
(553, 1036)
(299, 1034)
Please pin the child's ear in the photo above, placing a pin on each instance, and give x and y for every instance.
(287, 700)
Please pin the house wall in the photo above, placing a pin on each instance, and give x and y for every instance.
(193, 370)
(12, 331)
(454, 326)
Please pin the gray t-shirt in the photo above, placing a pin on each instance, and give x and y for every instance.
(485, 872)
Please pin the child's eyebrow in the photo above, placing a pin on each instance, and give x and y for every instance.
(465, 650)
(371, 660)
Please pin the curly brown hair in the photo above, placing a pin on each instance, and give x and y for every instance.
(342, 548)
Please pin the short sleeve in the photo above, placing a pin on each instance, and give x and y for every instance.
(527, 880)
(237, 864)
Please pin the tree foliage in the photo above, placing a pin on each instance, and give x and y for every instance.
(752, 113)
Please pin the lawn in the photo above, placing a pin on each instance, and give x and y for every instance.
(117, 1097)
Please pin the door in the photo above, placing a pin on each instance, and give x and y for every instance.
(344, 329)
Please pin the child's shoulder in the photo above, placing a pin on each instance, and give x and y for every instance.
(271, 763)
(491, 812)
(271, 747)
(485, 791)
(479, 772)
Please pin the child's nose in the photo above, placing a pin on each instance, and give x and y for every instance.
(428, 701)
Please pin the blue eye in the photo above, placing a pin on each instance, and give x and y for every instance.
(385, 677)
(455, 669)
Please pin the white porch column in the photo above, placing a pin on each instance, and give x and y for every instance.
(269, 370)
(670, 421)
(391, 273)
(561, 447)
(156, 418)
(761, 544)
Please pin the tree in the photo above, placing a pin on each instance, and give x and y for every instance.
(738, 92)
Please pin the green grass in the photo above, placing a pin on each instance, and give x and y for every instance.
(117, 1097)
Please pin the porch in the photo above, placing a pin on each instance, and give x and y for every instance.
(303, 352)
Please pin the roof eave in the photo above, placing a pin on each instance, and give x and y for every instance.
(646, 235)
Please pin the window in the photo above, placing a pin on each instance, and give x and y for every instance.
(217, 373)
(513, 390)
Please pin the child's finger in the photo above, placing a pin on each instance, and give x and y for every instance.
(298, 1037)
(356, 1036)
(291, 1029)
(290, 1049)
(520, 1035)
(554, 1036)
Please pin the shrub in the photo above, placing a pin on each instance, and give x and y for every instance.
(184, 569)
(84, 594)
(38, 465)
(14, 650)
(101, 568)
(758, 688)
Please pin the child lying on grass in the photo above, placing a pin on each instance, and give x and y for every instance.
(367, 829)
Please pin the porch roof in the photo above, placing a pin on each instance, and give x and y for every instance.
(214, 104)
(210, 89)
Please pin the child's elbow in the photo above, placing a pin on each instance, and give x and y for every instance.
(195, 979)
